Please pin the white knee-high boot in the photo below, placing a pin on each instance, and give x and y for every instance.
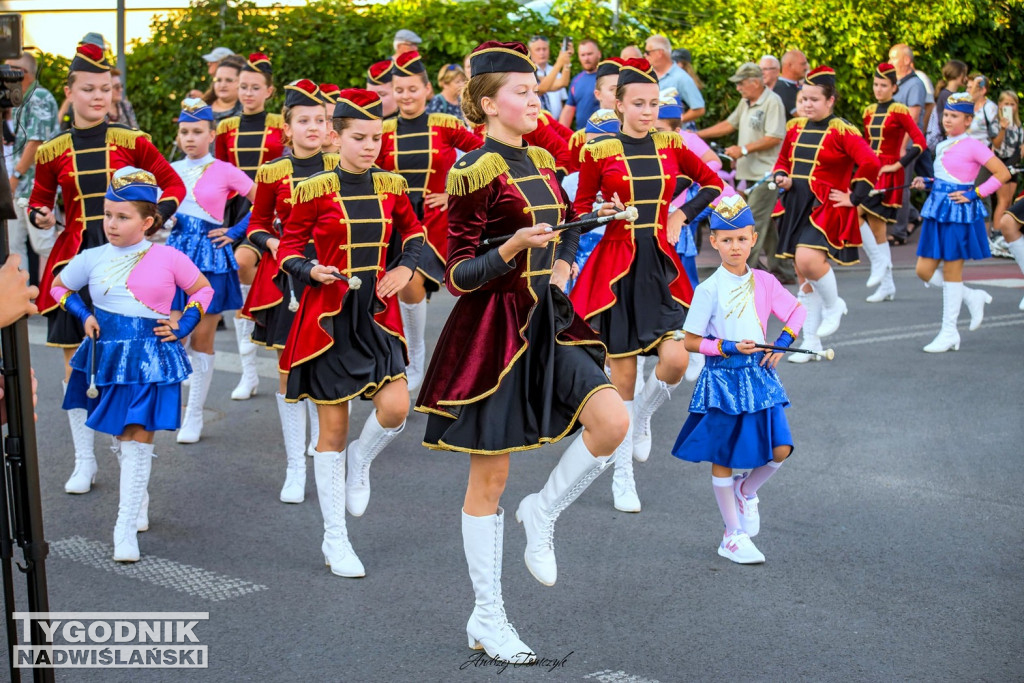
(293, 427)
(136, 465)
(537, 512)
(329, 472)
(314, 425)
(870, 248)
(655, 394)
(886, 286)
(1016, 248)
(414, 322)
(948, 337)
(248, 384)
(142, 522)
(202, 374)
(833, 308)
(361, 452)
(811, 341)
(624, 495)
(488, 627)
(83, 438)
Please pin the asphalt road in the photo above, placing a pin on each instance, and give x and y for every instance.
(893, 534)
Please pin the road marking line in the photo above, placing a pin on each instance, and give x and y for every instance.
(156, 570)
(1011, 282)
(925, 327)
(609, 676)
(922, 333)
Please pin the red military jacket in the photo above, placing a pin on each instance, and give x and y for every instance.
(828, 155)
(250, 140)
(886, 125)
(644, 173)
(275, 188)
(349, 217)
(422, 150)
(80, 162)
(495, 191)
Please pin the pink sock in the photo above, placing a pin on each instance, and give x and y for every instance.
(758, 477)
(726, 502)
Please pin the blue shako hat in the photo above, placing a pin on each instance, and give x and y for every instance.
(732, 213)
(131, 184)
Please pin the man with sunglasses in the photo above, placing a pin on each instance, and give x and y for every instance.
(658, 51)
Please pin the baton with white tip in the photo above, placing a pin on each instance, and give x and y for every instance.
(92, 391)
(629, 214)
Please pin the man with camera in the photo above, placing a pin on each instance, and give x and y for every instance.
(34, 122)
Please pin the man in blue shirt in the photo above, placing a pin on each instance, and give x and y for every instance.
(582, 102)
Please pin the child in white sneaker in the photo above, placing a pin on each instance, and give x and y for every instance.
(736, 413)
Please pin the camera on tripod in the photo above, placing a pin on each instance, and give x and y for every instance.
(10, 48)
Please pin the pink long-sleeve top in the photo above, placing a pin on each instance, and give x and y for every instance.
(209, 184)
(737, 307)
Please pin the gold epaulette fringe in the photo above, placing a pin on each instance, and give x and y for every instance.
(667, 140)
(843, 126)
(317, 186)
(540, 157)
(274, 121)
(578, 138)
(899, 108)
(444, 121)
(870, 111)
(390, 125)
(798, 121)
(53, 148)
(124, 137)
(468, 177)
(230, 123)
(330, 161)
(602, 148)
(389, 183)
(274, 171)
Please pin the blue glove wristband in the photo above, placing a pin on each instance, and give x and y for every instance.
(729, 348)
(785, 339)
(237, 231)
(188, 321)
(972, 193)
(74, 305)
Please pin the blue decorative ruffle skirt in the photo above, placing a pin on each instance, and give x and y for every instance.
(138, 376)
(951, 231)
(737, 414)
(216, 263)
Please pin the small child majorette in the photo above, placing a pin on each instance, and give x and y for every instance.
(200, 234)
(953, 219)
(736, 413)
(127, 373)
(346, 341)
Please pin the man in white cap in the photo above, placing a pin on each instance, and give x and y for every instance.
(406, 41)
(213, 60)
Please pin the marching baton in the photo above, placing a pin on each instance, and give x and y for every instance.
(768, 178)
(92, 391)
(875, 193)
(353, 282)
(629, 214)
(293, 304)
(827, 354)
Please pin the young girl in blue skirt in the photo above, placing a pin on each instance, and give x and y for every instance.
(736, 413)
(953, 219)
(139, 360)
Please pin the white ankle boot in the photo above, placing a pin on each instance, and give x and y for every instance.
(136, 465)
(202, 374)
(948, 337)
(488, 627)
(84, 475)
(249, 383)
(537, 512)
(812, 302)
(314, 424)
(293, 427)
(871, 250)
(142, 521)
(624, 496)
(976, 300)
(329, 472)
(361, 452)
(414, 323)
(886, 286)
(655, 394)
(833, 308)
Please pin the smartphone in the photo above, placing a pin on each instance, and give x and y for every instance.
(1007, 112)
(565, 44)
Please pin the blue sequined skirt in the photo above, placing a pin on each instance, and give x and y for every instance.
(737, 414)
(951, 231)
(138, 376)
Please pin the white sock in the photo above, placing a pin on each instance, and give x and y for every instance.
(726, 502)
(757, 477)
